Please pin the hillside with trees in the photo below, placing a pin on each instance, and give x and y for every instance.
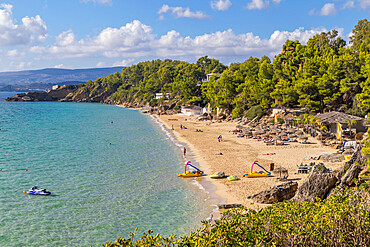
(325, 74)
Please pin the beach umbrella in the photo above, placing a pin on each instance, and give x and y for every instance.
(280, 170)
(303, 137)
(292, 136)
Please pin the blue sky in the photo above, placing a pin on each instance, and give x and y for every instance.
(37, 34)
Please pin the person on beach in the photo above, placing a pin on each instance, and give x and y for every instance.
(172, 127)
(219, 138)
(184, 151)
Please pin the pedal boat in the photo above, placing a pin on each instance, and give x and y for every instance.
(218, 175)
(190, 174)
(259, 174)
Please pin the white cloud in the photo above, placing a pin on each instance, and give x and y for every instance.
(135, 41)
(31, 30)
(328, 9)
(349, 5)
(20, 66)
(109, 2)
(180, 12)
(364, 4)
(59, 66)
(260, 4)
(257, 4)
(65, 38)
(221, 4)
(124, 63)
(12, 53)
(101, 65)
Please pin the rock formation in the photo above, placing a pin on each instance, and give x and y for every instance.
(318, 184)
(277, 193)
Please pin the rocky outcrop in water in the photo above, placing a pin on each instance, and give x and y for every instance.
(53, 95)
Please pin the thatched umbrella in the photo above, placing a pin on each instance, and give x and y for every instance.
(302, 137)
(281, 170)
(299, 132)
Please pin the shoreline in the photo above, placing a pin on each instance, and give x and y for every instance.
(238, 154)
(193, 154)
(204, 185)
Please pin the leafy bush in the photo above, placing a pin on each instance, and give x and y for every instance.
(237, 112)
(341, 220)
(254, 111)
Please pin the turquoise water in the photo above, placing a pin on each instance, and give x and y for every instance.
(106, 178)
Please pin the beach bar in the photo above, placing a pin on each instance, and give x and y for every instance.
(331, 120)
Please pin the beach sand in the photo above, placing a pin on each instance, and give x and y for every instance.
(238, 154)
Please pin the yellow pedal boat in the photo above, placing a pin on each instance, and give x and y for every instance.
(254, 174)
(190, 174)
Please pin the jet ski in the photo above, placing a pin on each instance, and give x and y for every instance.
(36, 191)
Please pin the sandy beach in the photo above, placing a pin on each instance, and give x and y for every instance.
(238, 154)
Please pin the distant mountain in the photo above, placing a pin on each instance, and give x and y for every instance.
(54, 76)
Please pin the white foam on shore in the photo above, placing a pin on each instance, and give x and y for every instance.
(168, 133)
(196, 183)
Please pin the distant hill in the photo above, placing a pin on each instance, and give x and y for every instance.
(53, 76)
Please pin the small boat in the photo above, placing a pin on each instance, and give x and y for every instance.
(254, 174)
(36, 191)
(232, 178)
(218, 175)
(189, 174)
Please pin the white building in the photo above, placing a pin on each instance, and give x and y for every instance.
(160, 95)
(192, 110)
(55, 87)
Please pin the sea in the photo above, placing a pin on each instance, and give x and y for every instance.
(111, 171)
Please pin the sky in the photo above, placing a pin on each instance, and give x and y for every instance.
(73, 34)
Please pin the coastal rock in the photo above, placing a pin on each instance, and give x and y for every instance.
(318, 184)
(332, 157)
(349, 170)
(277, 193)
(356, 156)
(351, 173)
(53, 95)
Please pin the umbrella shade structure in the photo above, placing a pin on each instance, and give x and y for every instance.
(303, 138)
(281, 170)
(239, 127)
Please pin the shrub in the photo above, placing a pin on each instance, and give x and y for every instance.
(254, 111)
(341, 220)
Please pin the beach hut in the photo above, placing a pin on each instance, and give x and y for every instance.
(192, 110)
(331, 120)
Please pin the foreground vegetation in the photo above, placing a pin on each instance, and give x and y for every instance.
(340, 220)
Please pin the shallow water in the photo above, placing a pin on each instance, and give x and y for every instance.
(106, 178)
